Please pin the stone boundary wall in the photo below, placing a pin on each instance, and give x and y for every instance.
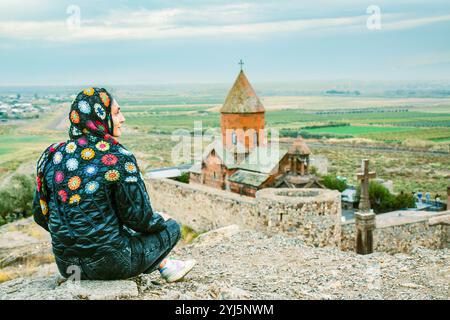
(315, 217)
(404, 233)
(200, 207)
(312, 215)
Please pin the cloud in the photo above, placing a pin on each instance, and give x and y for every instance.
(414, 23)
(429, 59)
(241, 20)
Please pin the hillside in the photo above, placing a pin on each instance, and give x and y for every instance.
(234, 264)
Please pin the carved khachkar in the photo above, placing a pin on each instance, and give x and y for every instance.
(364, 219)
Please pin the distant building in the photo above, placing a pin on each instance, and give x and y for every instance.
(241, 161)
(348, 198)
(167, 172)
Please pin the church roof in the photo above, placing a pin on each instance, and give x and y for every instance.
(262, 159)
(196, 168)
(253, 179)
(242, 98)
(299, 147)
(225, 155)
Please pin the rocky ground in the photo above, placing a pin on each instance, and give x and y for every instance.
(233, 264)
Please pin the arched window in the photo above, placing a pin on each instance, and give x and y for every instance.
(255, 138)
(233, 137)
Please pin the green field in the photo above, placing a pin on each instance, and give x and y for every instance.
(441, 139)
(357, 130)
(151, 121)
(433, 127)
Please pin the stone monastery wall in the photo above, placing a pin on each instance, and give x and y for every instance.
(404, 232)
(312, 214)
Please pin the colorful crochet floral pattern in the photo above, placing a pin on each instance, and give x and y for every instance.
(87, 154)
(72, 164)
(84, 107)
(74, 199)
(109, 159)
(74, 183)
(91, 158)
(112, 175)
(102, 146)
(74, 117)
(59, 176)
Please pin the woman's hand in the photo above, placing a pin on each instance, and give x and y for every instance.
(165, 216)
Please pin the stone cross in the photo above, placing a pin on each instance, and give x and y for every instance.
(364, 176)
(241, 63)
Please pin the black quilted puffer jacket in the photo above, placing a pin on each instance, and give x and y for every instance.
(100, 223)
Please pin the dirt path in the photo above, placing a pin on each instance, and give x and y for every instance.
(60, 121)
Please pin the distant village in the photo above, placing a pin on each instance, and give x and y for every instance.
(26, 106)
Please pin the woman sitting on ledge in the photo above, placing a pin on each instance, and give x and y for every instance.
(91, 197)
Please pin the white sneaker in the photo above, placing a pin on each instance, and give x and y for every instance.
(175, 270)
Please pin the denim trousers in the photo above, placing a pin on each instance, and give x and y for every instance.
(143, 255)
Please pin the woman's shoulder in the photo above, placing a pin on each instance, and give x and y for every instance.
(123, 153)
(116, 163)
(49, 152)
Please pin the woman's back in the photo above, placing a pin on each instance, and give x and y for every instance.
(83, 193)
(91, 197)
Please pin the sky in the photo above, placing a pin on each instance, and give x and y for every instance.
(59, 42)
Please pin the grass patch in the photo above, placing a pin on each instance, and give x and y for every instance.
(28, 268)
(444, 139)
(188, 234)
(415, 134)
(357, 130)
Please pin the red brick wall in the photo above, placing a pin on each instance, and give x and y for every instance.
(285, 164)
(242, 189)
(214, 172)
(243, 121)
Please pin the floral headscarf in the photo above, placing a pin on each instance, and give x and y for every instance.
(90, 159)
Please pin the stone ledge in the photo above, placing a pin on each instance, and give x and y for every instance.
(292, 196)
(204, 189)
(48, 288)
(406, 217)
(444, 220)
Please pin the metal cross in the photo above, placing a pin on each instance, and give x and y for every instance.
(241, 63)
(364, 176)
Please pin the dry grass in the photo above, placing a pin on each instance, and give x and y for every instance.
(29, 267)
(408, 171)
(30, 229)
(416, 143)
(334, 102)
